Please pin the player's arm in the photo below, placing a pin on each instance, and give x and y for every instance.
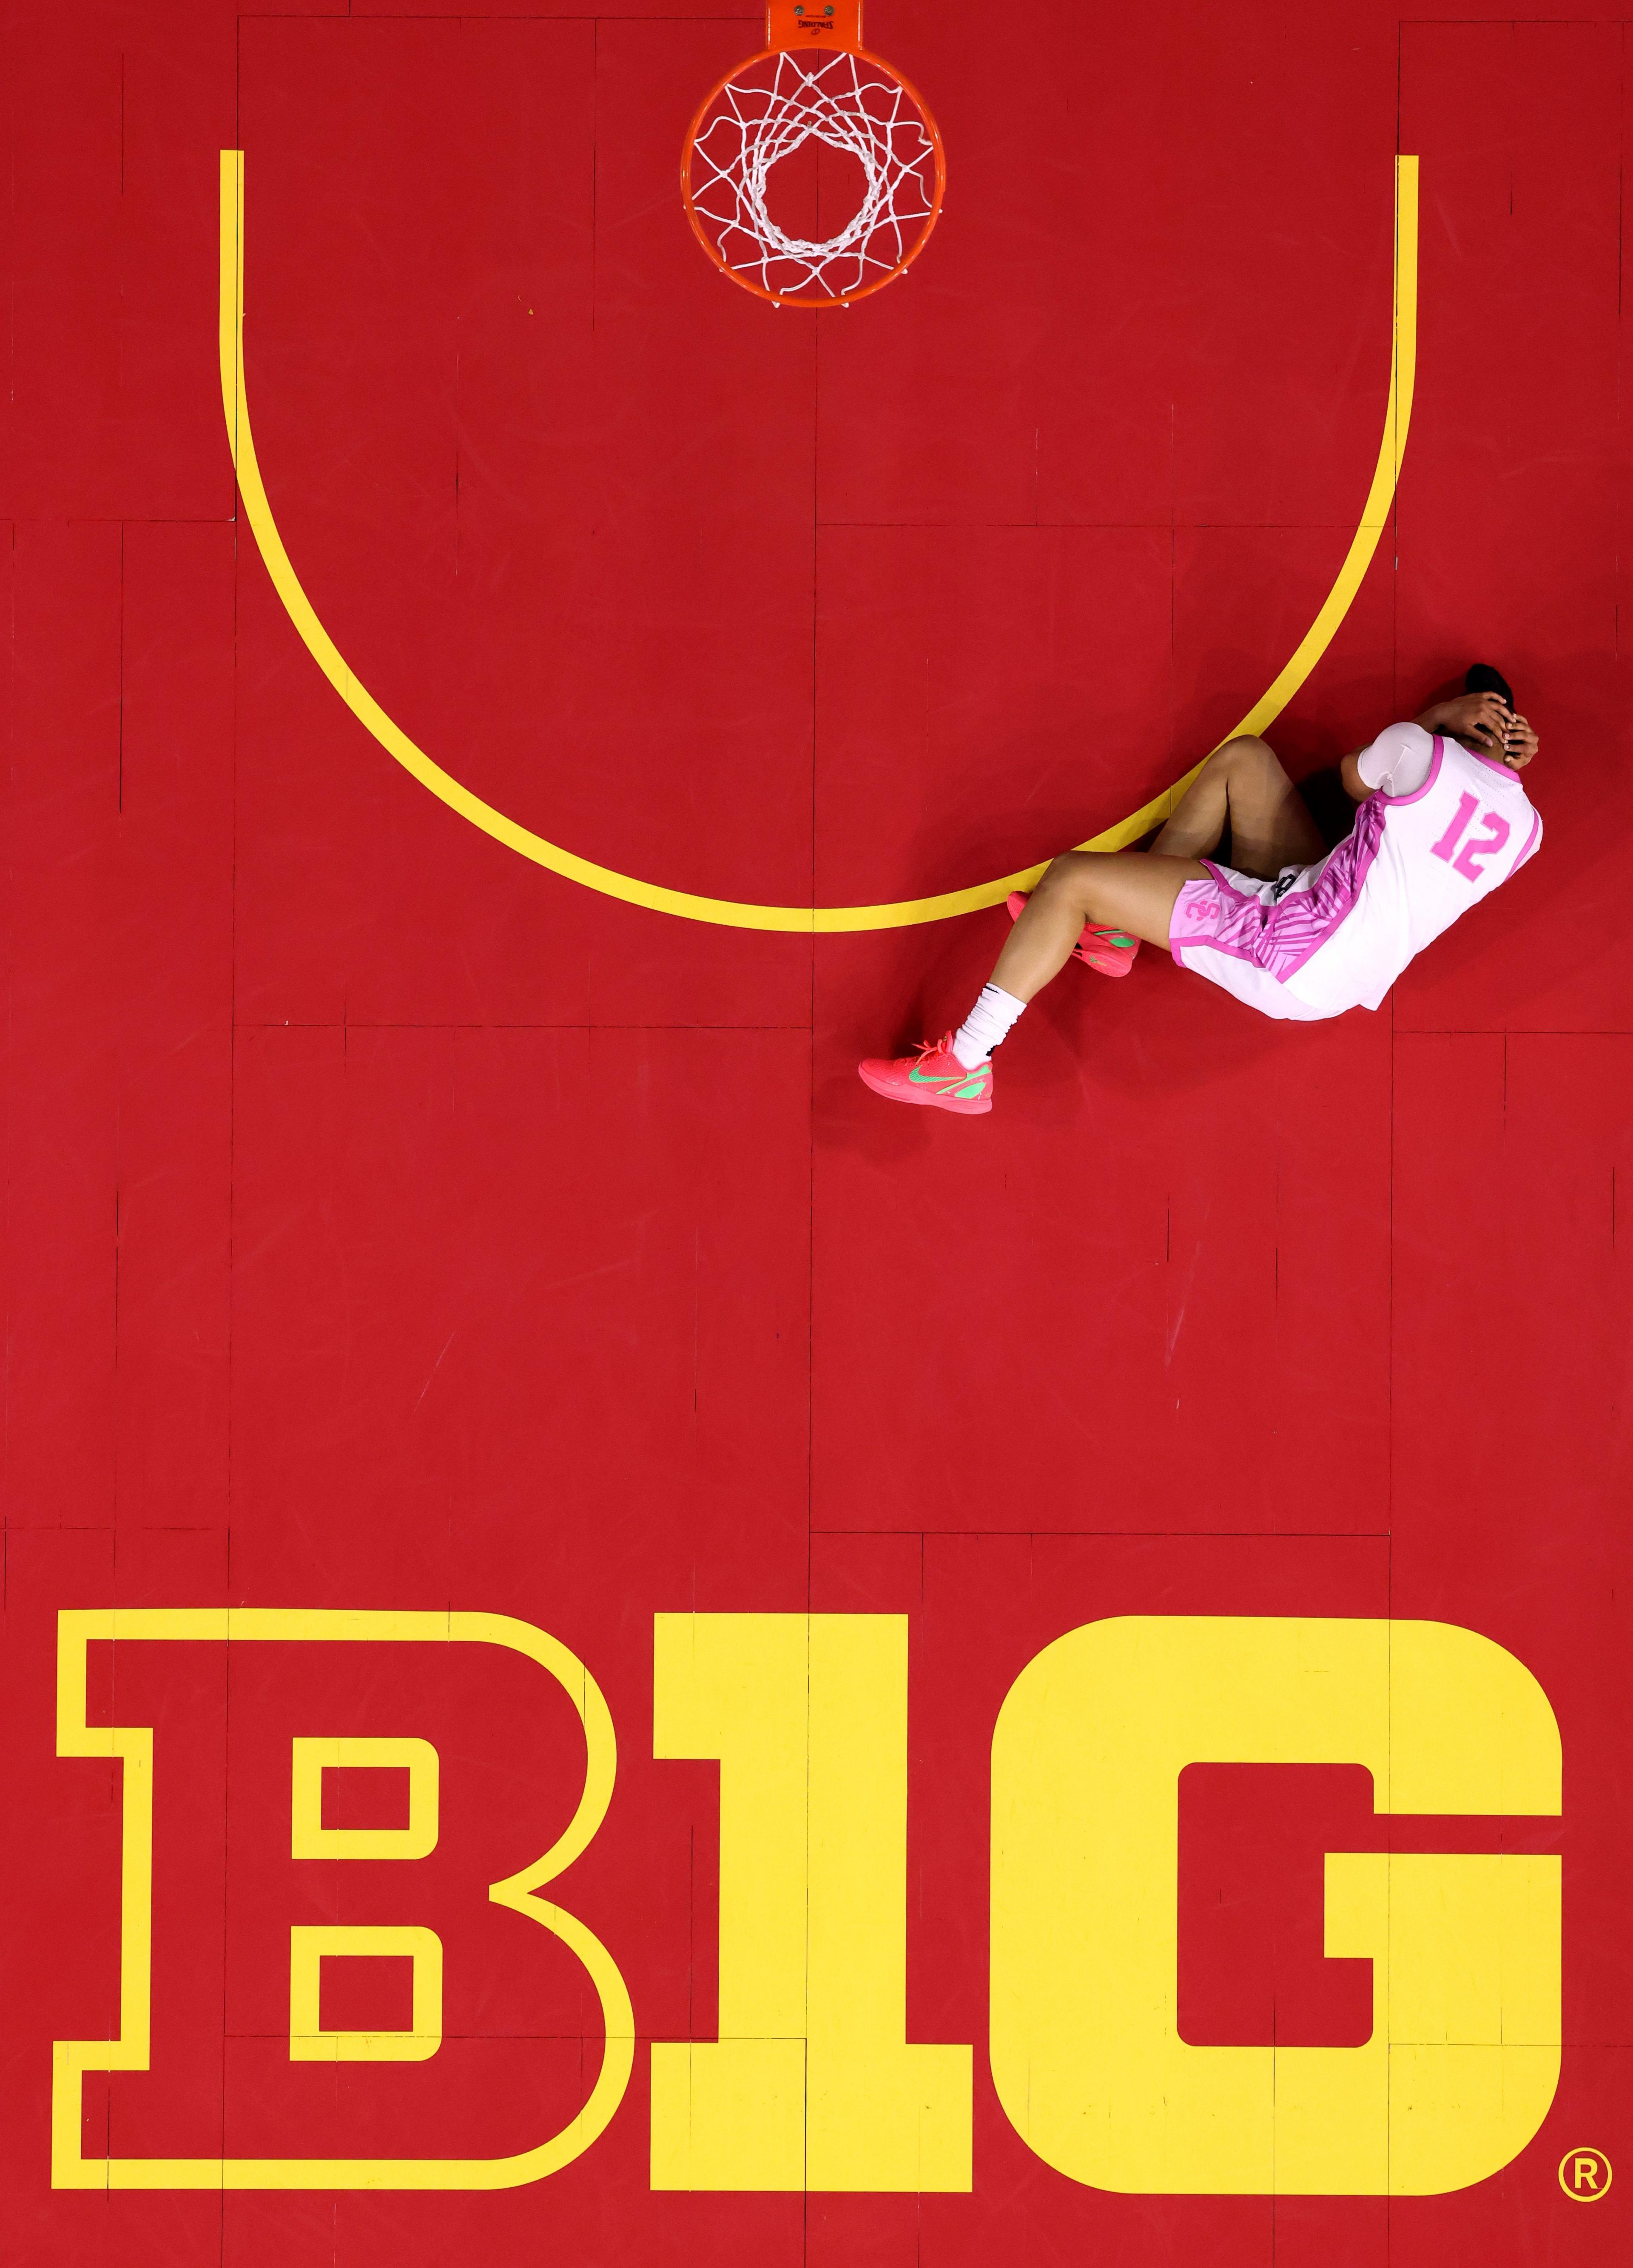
(1355, 787)
(1398, 761)
(1484, 723)
(1479, 719)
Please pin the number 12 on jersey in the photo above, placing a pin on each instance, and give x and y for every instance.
(1467, 861)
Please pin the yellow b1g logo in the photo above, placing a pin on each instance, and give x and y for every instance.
(812, 2082)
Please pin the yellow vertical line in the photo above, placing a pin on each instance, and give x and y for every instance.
(69, 2169)
(231, 313)
(131, 1746)
(132, 2050)
(1405, 300)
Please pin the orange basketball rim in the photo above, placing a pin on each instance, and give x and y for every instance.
(814, 81)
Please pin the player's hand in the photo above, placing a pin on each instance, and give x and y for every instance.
(1522, 745)
(1480, 718)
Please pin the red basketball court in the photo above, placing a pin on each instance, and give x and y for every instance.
(614, 1652)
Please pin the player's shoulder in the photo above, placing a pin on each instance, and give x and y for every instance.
(1400, 764)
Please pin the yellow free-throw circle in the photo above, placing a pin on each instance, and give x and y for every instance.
(727, 912)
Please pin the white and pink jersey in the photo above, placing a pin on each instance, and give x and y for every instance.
(1321, 939)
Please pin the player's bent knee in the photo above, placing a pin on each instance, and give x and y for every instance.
(1246, 751)
(1062, 873)
(1077, 880)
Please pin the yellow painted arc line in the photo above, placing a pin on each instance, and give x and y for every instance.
(727, 912)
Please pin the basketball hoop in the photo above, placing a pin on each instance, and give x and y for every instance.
(814, 82)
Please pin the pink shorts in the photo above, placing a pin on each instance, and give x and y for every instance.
(1236, 910)
(1224, 929)
(1256, 938)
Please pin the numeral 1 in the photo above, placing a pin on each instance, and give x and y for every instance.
(1466, 806)
(811, 2083)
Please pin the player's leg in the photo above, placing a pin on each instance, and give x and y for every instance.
(1241, 785)
(1128, 891)
(1269, 821)
(1125, 890)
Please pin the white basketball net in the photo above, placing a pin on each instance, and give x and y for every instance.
(768, 111)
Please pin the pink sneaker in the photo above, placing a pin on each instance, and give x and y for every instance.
(935, 1075)
(1110, 951)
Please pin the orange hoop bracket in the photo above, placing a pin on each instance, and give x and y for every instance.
(814, 25)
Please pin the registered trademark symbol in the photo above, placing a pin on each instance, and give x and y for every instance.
(1584, 2174)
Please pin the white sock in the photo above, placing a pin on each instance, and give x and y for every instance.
(992, 1016)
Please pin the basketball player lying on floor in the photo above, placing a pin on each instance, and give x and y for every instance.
(1290, 927)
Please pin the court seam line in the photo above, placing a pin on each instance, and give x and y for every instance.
(1168, 1535)
(355, 1024)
